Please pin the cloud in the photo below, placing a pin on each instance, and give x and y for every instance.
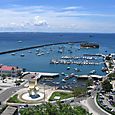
(38, 18)
(72, 8)
(38, 21)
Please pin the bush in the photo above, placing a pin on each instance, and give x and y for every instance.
(57, 109)
(14, 99)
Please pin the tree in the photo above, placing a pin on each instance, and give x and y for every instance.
(106, 86)
(79, 91)
(54, 109)
(89, 82)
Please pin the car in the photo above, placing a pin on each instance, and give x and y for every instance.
(92, 97)
(72, 100)
(110, 97)
(62, 101)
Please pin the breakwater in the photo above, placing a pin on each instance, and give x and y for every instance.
(38, 46)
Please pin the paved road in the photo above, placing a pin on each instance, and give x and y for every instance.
(93, 106)
(7, 93)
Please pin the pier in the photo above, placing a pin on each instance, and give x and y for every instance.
(38, 46)
(62, 61)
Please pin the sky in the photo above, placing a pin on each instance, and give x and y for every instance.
(57, 16)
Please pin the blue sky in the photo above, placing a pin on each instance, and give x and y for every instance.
(57, 15)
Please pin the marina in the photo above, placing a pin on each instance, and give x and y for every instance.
(68, 60)
(64, 58)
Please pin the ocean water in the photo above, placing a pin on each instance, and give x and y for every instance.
(32, 62)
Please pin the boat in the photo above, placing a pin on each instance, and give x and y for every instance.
(62, 73)
(104, 69)
(19, 41)
(13, 54)
(22, 55)
(76, 69)
(39, 54)
(72, 75)
(37, 50)
(68, 68)
(63, 80)
(66, 78)
(29, 51)
(92, 72)
(60, 51)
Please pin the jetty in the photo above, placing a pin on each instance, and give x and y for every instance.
(38, 46)
(90, 77)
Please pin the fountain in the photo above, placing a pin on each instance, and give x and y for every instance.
(33, 93)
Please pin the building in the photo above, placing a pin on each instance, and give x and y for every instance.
(10, 71)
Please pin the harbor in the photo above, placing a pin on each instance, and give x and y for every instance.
(60, 64)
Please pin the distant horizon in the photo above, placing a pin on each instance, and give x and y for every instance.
(58, 32)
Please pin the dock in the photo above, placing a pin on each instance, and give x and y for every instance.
(39, 75)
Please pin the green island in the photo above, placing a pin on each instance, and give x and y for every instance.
(14, 99)
(62, 95)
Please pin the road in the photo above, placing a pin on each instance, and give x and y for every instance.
(90, 101)
(94, 107)
(7, 93)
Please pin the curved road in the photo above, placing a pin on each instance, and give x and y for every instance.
(94, 107)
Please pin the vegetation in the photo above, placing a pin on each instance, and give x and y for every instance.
(51, 109)
(14, 99)
(111, 76)
(107, 87)
(62, 95)
(89, 82)
(79, 91)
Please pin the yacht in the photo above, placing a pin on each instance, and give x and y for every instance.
(63, 80)
(68, 68)
(92, 72)
(29, 51)
(13, 54)
(19, 41)
(76, 69)
(62, 73)
(22, 55)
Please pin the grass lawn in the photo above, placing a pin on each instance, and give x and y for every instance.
(14, 99)
(62, 95)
